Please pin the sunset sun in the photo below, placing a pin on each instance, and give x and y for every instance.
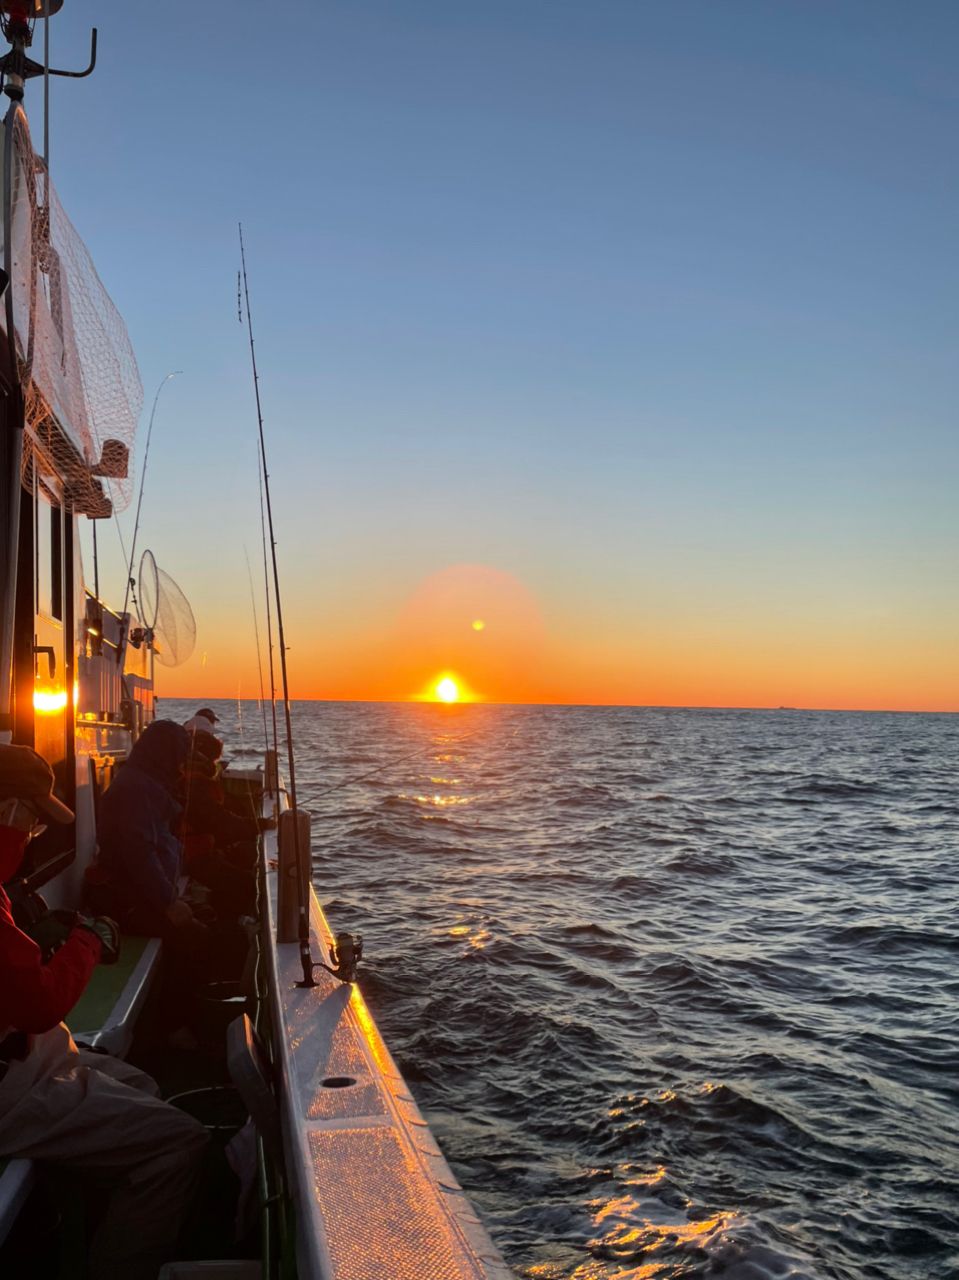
(447, 690)
(447, 686)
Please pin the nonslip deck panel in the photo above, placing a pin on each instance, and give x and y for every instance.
(386, 1225)
(375, 1198)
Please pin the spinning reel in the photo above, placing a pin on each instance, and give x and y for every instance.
(346, 953)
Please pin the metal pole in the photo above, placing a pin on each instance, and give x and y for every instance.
(46, 101)
(11, 448)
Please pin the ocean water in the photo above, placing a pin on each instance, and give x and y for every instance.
(678, 990)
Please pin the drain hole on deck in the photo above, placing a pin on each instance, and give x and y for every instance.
(337, 1082)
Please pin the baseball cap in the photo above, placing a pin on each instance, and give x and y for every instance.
(199, 724)
(26, 775)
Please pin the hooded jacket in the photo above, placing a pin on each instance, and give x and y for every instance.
(139, 850)
(208, 823)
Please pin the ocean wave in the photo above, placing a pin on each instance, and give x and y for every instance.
(893, 938)
(676, 989)
(836, 789)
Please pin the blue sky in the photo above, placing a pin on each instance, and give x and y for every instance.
(652, 306)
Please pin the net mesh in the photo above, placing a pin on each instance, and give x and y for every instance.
(79, 375)
(175, 630)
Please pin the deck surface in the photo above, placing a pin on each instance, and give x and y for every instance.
(375, 1196)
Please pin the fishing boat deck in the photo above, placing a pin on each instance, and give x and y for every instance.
(374, 1194)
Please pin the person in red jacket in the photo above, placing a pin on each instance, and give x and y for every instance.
(68, 1106)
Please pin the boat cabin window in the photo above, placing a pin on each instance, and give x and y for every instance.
(48, 533)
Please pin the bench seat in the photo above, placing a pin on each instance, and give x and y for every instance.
(105, 1015)
(104, 1018)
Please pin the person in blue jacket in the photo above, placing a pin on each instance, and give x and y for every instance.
(139, 868)
(139, 863)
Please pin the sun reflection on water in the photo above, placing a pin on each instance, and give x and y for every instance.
(434, 801)
(475, 934)
(438, 801)
(645, 1235)
(588, 1271)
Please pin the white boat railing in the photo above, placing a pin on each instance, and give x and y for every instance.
(373, 1194)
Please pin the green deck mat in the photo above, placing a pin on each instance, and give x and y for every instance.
(105, 987)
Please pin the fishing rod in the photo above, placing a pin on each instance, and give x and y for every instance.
(266, 573)
(303, 888)
(269, 620)
(259, 658)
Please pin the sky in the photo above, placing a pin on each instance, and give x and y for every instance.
(625, 329)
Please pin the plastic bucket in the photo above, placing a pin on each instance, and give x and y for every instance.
(218, 1107)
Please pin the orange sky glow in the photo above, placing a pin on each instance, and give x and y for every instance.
(484, 629)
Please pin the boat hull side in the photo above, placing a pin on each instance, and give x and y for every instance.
(374, 1194)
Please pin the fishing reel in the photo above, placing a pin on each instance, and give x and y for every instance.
(49, 929)
(26, 905)
(346, 953)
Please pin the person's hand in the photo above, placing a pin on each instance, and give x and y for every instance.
(108, 931)
(51, 931)
(179, 913)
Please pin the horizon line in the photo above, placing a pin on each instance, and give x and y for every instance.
(611, 706)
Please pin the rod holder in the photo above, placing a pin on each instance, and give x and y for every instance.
(271, 774)
(293, 829)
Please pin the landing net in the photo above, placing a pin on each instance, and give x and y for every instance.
(79, 375)
(175, 629)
